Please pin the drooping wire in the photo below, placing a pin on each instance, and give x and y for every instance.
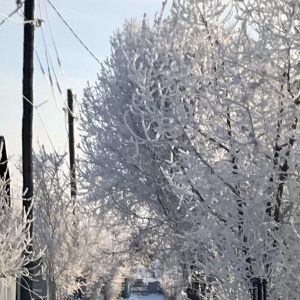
(52, 37)
(56, 79)
(41, 66)
(37, 106)
(64, 109)
(56, 50)
(77, 37)
(50, 66)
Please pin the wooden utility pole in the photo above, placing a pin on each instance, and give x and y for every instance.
(28, 53)
(72, 144)
(72, 164)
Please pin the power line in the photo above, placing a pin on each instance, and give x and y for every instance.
(10, 15)
(42, 68)
(55, 47)
(51, 67)
(52, 36)
(50, 81)
(36, 107)
(77, 37)
(49, 61)
(39, 115)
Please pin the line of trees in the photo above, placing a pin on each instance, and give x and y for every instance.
(190, 157)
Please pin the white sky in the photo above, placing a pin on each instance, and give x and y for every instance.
(94, 22)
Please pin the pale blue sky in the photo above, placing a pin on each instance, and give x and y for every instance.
(94, 21)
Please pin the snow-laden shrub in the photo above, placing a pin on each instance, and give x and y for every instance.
(14, 237)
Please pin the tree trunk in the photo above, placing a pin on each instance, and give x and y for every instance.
(259, 289)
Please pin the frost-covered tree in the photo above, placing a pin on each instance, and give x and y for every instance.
(137, 186)
(14, 256)
(125, 154)
(77, 247)
(192, 127)
(14, 236)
